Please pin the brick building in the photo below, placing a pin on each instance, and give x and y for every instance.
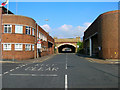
(101, 38)
(23, 38)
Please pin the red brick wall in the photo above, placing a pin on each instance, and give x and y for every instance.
(22, 38)
(110, 35)
(107, 27)
(45, 43)
(18, 38)
(20, 20)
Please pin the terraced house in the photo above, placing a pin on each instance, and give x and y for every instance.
(22, 38)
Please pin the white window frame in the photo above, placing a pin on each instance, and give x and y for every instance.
(43, 38)
(19, 27)
(27, 47)
(28, 29)
(33, 31)
(39, 35)
(8, 47)
(33, 47)
(8, 25)
(19, 47)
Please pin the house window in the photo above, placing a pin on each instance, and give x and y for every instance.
(44, 38)
(7, 28)
(28, 30)
(18, 29)
(33, 47)
(18, 46)
(41, 37)
(6, 46)
(27, 47)
(33, 32)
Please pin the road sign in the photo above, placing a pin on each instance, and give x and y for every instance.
(39, 46)
(39, 41)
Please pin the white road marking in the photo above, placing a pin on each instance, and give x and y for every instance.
(48, 69)
(46, 75)
(55, 69)
(33, 69)
(23, 65)
(42, 64)
(53, 64)
(27, 68)
(47, 65)
(17, 67)
(37, 65)
(66, 66)
(12, 70)
(66, 62)
(5, 72)
(40, 69)
(66, 82)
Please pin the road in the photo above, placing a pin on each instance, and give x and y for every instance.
(60, 71)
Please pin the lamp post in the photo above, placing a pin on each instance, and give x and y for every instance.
(0, 44)
(0, 32)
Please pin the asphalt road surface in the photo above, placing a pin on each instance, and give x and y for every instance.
(60, 71)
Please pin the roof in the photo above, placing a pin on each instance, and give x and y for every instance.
(109, 12)
(4, 11)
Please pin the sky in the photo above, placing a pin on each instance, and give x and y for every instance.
(65, 19)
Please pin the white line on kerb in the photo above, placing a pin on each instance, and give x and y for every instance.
(66, 82)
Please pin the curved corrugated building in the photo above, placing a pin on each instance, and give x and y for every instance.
(102, 36)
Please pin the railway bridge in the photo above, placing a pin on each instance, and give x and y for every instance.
(66, 45)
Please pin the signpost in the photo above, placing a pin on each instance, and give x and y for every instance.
(39, 44)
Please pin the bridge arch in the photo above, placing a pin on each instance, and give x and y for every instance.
(66, 44)
(66, 48)
(71, 43)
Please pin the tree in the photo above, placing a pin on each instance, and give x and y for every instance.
(80, 46)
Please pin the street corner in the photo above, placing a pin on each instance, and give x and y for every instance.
(37, 60)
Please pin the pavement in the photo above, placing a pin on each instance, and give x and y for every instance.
(59, 72)
(40, 59)
(97, 60)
